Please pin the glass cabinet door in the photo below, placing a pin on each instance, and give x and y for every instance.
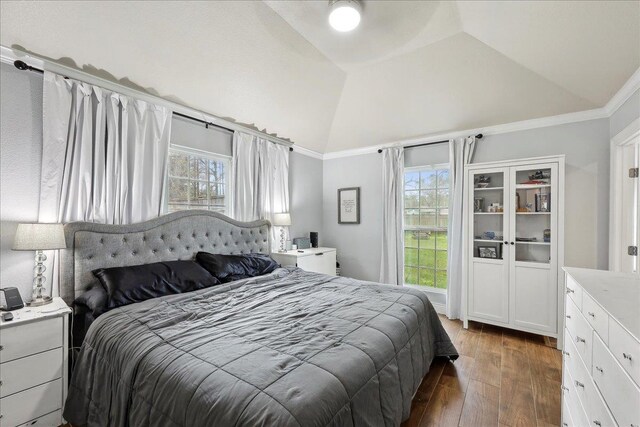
(489, 213)
(532, 225)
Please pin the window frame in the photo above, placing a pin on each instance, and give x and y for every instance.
(434, 167)
(208, 155)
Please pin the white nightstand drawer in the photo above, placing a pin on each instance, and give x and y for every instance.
(621, 394)
(321, 262)
(31, 404)
(52, 419)
(574, 291)
(30, 338)
(626, 349)
(26, 372)
(596, 316)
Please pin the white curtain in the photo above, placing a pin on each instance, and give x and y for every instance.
(104, 155)
(460, 155)
(261, 180)
(392, 262)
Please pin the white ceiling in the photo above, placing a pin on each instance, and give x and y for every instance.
(412, 68)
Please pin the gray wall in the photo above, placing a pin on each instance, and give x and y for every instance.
(628, 112)
(585, 144)
(20, 157)
(21, 151)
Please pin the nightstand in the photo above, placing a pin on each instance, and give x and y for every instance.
(34, 365)
(318, 260)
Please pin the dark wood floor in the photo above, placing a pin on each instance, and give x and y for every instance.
(502, 378)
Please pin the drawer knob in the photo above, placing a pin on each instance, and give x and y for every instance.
(568, 317)
(627, 356)
(579, 339)
(591, 314)
(564, 388)
(320, 253)
(570, 291)
(598, 423)
(1, 347)
(566, 353)
(565, 425)
(599, 369)
(579, 384)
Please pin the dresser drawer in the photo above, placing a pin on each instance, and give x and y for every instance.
(30, 338)
(31, 404)
(321, 262)
(26, 372)
(585, 388)
(596, 316)
(626, 349)
(574, 291)
(567, 419)
(578, 416)
(52, 419)
(580, 331)
(621, 394)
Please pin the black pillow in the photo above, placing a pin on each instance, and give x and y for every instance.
(93, 300)
(228, 268)
(126, 285)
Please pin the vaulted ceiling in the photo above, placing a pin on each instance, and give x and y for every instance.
(411, 68)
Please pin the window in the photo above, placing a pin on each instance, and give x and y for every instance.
(426, 217)
(197, 181)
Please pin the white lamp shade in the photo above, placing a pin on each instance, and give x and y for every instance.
(282, 219)
(39, 237)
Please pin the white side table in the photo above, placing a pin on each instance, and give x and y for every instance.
(34, 365)
(318, 260)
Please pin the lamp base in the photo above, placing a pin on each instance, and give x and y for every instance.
(40, 301)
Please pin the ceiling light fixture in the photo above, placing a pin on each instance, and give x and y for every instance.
(344, 15)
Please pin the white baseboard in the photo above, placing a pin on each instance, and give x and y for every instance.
(440, 308)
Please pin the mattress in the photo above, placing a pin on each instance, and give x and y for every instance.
(291, 348)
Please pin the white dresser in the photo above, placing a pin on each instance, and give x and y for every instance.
(33, 365)
(601, 355)
(318, 260)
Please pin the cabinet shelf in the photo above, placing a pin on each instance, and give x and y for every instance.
(533, 243)
(488, 213)
(531, 186)
(533, 213)
(488, 188)
(488, 241)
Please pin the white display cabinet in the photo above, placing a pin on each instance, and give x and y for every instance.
(514, 243)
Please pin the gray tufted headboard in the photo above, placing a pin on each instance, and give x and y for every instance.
(178, 235)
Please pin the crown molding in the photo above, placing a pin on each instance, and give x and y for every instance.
(625, 92)
(306, 152)
(580, 116)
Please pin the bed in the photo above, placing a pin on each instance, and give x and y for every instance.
(288, 348)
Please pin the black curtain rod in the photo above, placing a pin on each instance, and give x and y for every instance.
(21, 65)
(478, 136)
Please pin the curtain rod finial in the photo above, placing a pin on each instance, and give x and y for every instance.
(21, 65)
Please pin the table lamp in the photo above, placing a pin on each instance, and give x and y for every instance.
(282, 220)
(39, 237)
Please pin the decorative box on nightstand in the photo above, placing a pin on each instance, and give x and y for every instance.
(33, 365)
(317, 260)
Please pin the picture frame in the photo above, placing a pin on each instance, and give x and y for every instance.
(349, 205)
(488, 252)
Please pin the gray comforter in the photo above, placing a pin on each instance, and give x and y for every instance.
(289, 348)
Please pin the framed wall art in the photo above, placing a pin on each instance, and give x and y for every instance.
(349, 205)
